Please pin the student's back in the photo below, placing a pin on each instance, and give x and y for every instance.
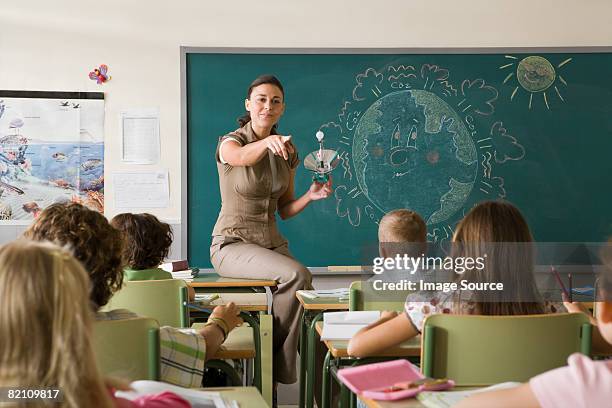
(496, 227)
(46, 332)
(147, 243)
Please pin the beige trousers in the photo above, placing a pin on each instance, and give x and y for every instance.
(250, 261)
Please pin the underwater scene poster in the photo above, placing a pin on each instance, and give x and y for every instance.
(51, 150)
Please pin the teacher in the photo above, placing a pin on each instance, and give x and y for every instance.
(256, 168)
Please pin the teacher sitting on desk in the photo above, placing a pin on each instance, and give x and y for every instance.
(256, 177)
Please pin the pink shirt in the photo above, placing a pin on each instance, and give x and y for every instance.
(582, 383)
(162, 400)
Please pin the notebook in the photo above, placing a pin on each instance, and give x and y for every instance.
(344, 325)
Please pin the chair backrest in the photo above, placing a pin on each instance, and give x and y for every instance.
(364, 296)
(128, 349)
(484, 350)
(164, 300)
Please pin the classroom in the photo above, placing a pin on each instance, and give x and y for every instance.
(461, 112)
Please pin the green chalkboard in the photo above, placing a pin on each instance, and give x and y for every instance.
(433, 132)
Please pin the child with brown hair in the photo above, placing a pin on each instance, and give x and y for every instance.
(147, 243)
(492, 222)
(99, 247)
(582, 383)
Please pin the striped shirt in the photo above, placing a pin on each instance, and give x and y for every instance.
(182, 351)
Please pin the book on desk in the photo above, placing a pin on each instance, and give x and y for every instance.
(344, 325)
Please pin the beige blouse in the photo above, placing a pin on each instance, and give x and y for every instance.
(249, 195)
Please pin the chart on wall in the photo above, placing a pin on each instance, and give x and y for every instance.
(51, 150)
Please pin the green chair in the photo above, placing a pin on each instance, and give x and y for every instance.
(363, 296)
(484, 350)
(128, 349)
(163, 300)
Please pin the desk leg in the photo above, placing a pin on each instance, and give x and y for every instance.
(310, 372)
(265, 327)
(303, 359)
(326, 386)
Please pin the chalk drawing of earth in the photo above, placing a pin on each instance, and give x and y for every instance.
(412, 150)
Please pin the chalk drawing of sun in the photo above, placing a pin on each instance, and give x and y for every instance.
(535, 74)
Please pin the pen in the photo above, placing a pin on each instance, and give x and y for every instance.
(560, 282)
(569, 278)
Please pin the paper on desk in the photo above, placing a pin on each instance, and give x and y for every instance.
(447, 399)
(356, 317)
(198, 399)
(140, 136)
(340, 293)
(141, 190)
(344, 325)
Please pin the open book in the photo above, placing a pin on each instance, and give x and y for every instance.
(447, 399)
(344, 325)
(197, 399)
(340, 293)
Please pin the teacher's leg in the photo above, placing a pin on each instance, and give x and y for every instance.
(250, 261)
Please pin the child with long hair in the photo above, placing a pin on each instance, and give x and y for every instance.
(99, 247)
(47, 333)
(582, 383)
(496, 227)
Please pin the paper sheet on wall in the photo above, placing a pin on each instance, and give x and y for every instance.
(140, 134)
(141, 190)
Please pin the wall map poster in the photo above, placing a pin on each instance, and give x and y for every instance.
(51, 150)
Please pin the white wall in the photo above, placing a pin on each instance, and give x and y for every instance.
(52, 45)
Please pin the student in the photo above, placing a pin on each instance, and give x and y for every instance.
(99, 247)
(46, 337)
(582, 383)
(488, 222)
(399, 232)
(147, 243)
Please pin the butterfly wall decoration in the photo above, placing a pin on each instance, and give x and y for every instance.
(100, 74)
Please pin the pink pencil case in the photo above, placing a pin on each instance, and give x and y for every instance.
(371, 380)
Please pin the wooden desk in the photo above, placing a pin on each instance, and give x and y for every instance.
(212, 280)
(246, 302)
(405, 403)
(338, 349)
(246, 397)
(239, 344)
(313, 313)
(228, 288)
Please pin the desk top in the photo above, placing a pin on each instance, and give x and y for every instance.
(405, 403)
(244, 396)
(338, 348)
(238, 345)
(322, 303)
(212, 280)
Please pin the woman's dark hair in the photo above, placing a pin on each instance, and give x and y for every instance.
(260, 80)
(93, 241)
(147, 239)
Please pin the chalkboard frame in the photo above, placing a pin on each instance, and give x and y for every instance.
(185, 50)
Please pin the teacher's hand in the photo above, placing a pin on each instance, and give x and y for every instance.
(318, 191)
(279, 145)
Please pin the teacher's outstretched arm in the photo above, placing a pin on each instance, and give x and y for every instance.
(236, 155)
(288, 205)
